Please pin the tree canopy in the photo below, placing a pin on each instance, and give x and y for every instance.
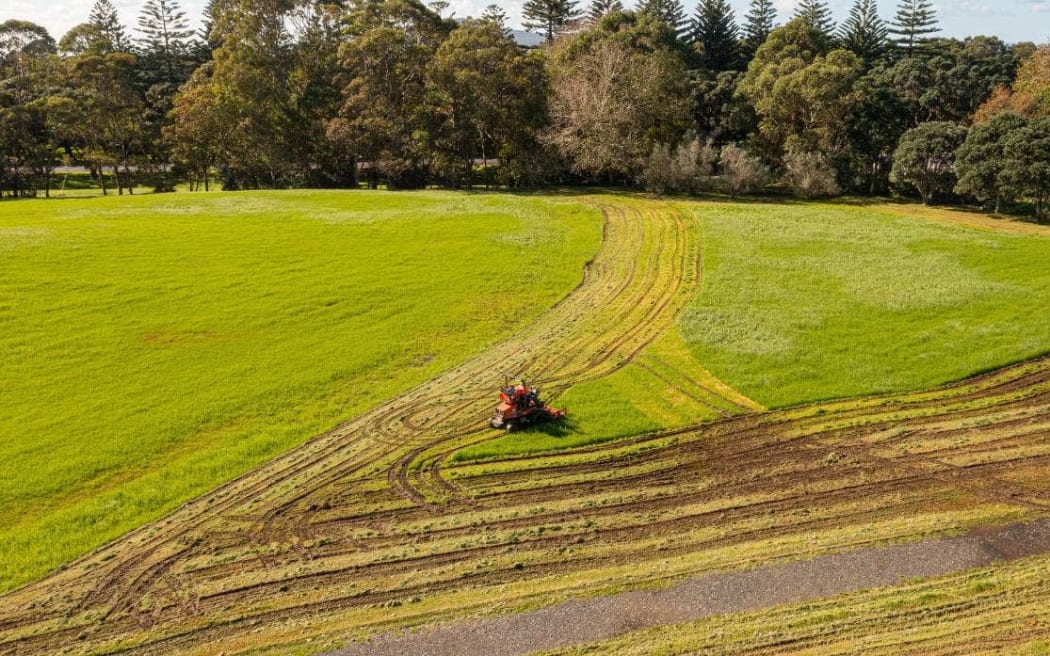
(291, 93)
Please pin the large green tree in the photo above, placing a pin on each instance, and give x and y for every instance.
(875, 126)
(105, 19)
(719, 112)
(490, 97)
(250, 81)
(1026, 170)
(925, 158)
(670, 12)
(30, 76)
(618, 90)
(949, 82)
(203, 129)
(982, 159)
(714, 27)
(802, 94)
(164, 48)
(109, 131)
(385, 118)
(315, 95)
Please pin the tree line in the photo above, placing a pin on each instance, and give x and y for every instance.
(337, 93)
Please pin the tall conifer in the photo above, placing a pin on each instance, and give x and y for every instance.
(599, 8)
(818, 15)
(104, 18)
(670, 12)
(761, 19)
(915, 20)
(715, 28)
(864, 33)
(165, 35)
(548, 16)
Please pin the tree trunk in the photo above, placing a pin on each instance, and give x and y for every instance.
(127, 178)
(116, 178)
(102, 180)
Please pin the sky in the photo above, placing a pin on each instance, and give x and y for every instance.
(1012, 20)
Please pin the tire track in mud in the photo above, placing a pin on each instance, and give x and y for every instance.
(751, 443)
(367, 516)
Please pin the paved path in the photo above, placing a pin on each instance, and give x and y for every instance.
(579, 622)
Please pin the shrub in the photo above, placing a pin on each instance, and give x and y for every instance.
(810, 174)
(742, 173)
(685, 168)
(658, 175)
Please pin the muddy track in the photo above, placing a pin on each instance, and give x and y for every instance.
(359, 528)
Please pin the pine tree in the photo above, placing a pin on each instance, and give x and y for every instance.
(864, 33)
(165, 34)
(915, 20)
(548, 16)
(761, 20)
(818, 15)
(495, 14)
(104, 18)
(670, 12)
(599, 8)
(715, 27)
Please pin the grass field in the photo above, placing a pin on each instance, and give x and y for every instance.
(414, 512)
(155, 347)
(807, 302)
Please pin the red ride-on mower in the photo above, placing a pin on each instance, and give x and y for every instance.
(521, 405)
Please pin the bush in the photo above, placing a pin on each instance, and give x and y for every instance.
(658, 176)
(686, 168)
(810, 174)
(742, 173)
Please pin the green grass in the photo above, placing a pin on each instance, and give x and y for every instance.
(154, 347)
(805, 302)
(664, 389)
